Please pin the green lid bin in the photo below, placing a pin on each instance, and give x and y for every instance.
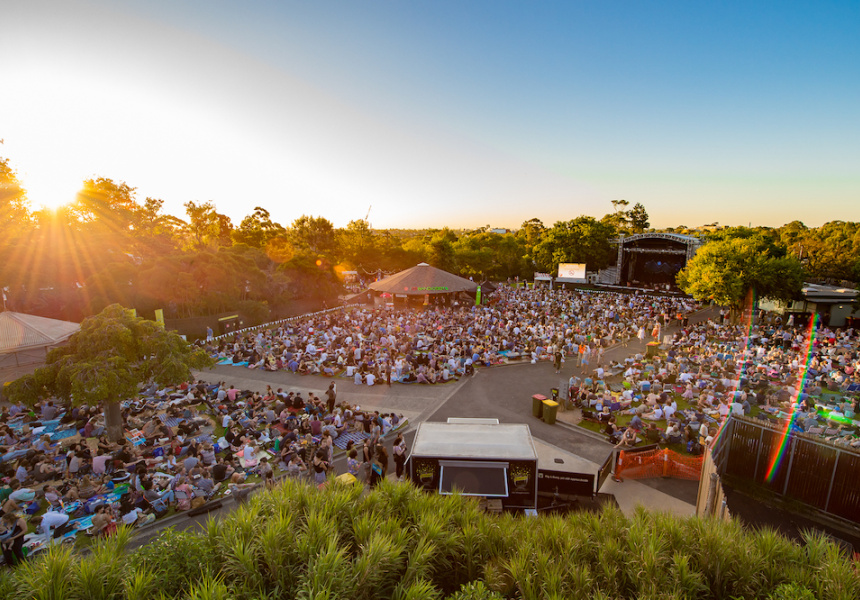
(550, 410)
(537, 405)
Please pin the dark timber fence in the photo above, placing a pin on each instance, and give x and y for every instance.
(809, 469)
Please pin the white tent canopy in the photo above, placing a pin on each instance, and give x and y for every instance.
(26, 339)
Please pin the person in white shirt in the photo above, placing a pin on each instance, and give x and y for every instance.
(371, 378)
(52, 520)
(669, 411)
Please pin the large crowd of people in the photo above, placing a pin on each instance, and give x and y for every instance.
(382, 345)
(714, 368)
(186, 444)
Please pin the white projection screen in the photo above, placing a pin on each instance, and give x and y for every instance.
(571, 273)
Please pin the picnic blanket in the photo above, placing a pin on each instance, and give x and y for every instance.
(170, 421)
(355, 436)
(260, 455)
(62, 434)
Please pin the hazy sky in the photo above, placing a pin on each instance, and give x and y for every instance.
(442, 113)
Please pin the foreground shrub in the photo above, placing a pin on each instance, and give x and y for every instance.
(397, 542)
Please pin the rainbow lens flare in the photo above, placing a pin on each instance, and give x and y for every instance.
(778, 452)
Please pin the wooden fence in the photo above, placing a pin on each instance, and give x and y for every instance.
(807, 469)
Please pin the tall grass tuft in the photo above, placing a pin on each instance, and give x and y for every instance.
(209, 588)
(279, 556)
(328, 575)
(47, 577)
(100, 575)
(417, 590)
(139, 585)
(242, 568)
(377, 568)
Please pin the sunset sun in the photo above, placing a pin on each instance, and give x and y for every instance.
(51, 191)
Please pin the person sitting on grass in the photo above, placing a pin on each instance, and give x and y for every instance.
(673, 433)
(628, 438)
(102, 518)
(612, 430)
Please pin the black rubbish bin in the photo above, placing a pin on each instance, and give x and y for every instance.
(537, 405)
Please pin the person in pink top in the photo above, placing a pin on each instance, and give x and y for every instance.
(100, 463)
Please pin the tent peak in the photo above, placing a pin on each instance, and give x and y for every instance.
(422, 265)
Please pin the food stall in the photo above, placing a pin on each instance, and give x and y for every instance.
(495, 461)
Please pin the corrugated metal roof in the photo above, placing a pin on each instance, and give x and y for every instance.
(19, 331)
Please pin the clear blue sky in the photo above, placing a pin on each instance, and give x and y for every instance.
(442, 113)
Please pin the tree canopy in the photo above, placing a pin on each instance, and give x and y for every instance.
(108, 359)
(109, 246)
(727, 270)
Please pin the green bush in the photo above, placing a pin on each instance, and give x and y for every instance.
(175, 560)
(791, 591)
(400, 543)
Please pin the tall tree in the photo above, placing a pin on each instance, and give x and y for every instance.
(207, 228)
(257, 229)
(14, 208)
(581, 240)
(358, 245)
(637, 218)
(727, 271)
(107, 361)
(315, 234)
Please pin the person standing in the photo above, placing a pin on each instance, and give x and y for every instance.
(367, 459)
(320, 466)
(352, 464)
(331, 396)
(379, 466)
(13, 545)
(399, 456)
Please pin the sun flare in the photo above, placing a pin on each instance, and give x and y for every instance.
(50, 191)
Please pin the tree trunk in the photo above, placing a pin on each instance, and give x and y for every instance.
(113, 422)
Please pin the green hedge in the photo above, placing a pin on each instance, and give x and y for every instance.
(398, 542)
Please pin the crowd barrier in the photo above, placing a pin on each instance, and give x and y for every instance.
(277, 323)
(657, 463)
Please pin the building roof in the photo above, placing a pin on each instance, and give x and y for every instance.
(505, 441)
(423, 279)
(828, 293)
(20, 332)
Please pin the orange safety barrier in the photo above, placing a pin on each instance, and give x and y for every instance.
(658, 463)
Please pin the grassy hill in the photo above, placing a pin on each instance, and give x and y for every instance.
(398, 542)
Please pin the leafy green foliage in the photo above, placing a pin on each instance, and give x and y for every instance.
(581, 240)
(726, 270)
(398, 542)
(174, 559)
(107, 360)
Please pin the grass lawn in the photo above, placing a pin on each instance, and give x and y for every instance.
(622, 419)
